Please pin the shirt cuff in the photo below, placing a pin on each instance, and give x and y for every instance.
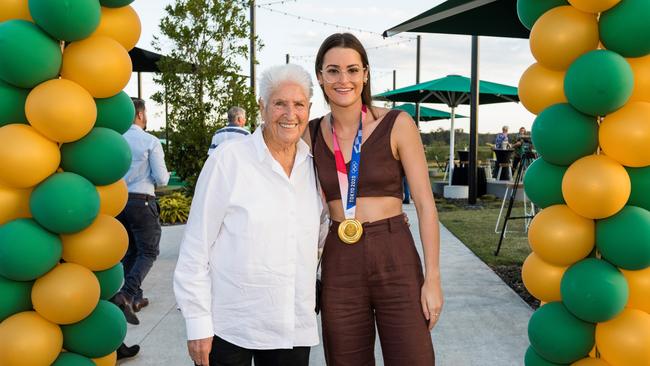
(199, 328)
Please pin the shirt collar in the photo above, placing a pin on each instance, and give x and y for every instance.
(263, 151)
(136, 127)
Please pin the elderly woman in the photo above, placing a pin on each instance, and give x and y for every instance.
(247, 264)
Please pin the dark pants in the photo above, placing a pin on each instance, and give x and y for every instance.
(140, 217)
(376, 281)
(227, 354)
(407, 191)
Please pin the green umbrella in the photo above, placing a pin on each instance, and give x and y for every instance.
(452, 90)
(426, 114)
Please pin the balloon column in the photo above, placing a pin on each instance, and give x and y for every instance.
(590, 265)
(63, 65)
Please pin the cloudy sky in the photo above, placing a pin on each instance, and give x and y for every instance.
(502, 60)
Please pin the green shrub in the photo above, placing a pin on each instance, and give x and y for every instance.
(174, 208)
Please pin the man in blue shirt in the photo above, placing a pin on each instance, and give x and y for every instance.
(141, 215)
(235, 128)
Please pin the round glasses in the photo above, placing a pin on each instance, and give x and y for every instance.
(333, 75)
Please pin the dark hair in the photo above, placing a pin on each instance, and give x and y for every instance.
(138, 104)
(346, 40)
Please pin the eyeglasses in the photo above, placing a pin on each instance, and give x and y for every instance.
(333, 75)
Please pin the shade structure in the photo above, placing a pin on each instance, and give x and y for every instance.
(426, 114)
(496, 18)
(452, 90)
(144, 61)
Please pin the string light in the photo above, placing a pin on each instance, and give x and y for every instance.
(300, 17)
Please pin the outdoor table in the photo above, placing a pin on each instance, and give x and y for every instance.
(460, 177)
(463, 156)
(504, 157)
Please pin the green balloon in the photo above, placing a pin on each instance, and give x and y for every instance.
(27, 251)
(12, 104)
(533, 359)
(66, 20)
(99, 334)
(65, 203)
(599, 82)
(116, 113)
(562, 135)
(625, 28)
(640, 179)
(28, 55)
(110, 281)
(624, 239)
(115, 3)
(72, 359)
(558, 336)
(543, 183)
(102, 156)
(530, 10)
(594, 290)
(15, 297)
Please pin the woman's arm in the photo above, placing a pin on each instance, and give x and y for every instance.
(407, 143)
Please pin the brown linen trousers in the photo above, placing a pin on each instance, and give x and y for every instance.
(375, 281)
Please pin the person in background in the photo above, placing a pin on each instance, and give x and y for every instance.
(522, 137)
(501, 141)
(246, 272)
(235, 128)
(141, 215)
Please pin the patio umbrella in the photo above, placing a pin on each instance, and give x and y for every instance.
(452, 90)
(426, 114)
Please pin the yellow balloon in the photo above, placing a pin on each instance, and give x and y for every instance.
(27, 156)
(99, 64)
(67, 294)
(560, 236)
(625, 340)
(109, 360)
(596, 186)
(540, 88)
(14, 9)
(561, 35)
(594, 6)
(98, 247)
(61, 110)
(26, 339)
(542, 279)
(14, 204)
(113, 197)
(122, 24)
(625, 135)
(639, 284)
(641, 69)
(590, 362)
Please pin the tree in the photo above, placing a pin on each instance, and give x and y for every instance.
(201, 78)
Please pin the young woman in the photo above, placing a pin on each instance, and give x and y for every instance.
(371, 271)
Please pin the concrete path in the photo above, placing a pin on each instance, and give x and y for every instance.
(483, 323)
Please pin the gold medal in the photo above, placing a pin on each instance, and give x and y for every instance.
(350, 231)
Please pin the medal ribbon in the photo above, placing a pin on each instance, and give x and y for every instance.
(348, 184)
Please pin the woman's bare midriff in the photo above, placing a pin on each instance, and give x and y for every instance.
(369, 209)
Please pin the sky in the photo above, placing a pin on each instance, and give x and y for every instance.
(502, 60)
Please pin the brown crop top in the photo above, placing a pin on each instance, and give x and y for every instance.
(381, 174)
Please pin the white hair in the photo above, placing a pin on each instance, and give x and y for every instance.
(272, 77)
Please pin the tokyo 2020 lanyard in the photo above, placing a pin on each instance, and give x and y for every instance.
(350, 230)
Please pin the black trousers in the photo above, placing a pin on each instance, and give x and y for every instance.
(227, 354)
(140, 217)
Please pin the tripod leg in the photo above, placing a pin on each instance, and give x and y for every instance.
(513, 194)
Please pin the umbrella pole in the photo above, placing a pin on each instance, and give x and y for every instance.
(452, 134)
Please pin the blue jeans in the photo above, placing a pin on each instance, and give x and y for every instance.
(140, 217)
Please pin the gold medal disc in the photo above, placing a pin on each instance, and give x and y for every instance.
(350, 231)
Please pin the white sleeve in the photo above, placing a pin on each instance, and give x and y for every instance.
(192, 278)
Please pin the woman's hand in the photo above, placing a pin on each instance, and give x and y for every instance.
(199, 350)
(431, 299)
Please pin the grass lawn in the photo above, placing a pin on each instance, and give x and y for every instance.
(474, 226)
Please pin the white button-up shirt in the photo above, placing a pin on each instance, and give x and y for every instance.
(247, 264)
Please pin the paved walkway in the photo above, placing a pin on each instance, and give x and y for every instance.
(483, 323)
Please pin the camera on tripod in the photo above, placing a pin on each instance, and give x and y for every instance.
(526, 148)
